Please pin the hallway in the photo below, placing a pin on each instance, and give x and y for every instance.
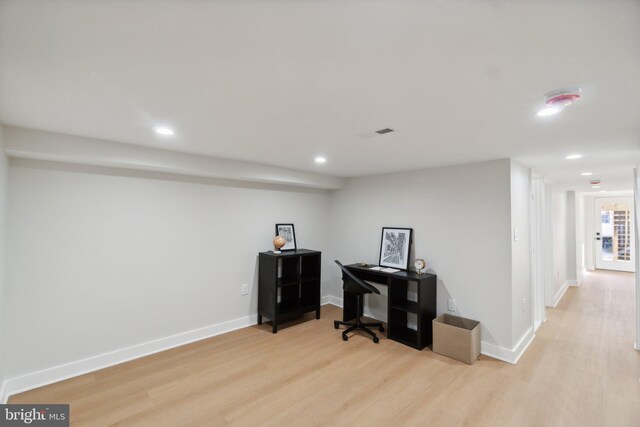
(582, 361)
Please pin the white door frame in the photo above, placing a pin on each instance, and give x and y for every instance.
(537, 242)
(597, 247)
(636, 200)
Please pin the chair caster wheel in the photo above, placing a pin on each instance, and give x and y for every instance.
(336, 325)
(345, 338)
(376, 340)
(381, 328)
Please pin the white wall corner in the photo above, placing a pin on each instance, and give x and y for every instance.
(508, 355)
(330, 299)
(560, 293)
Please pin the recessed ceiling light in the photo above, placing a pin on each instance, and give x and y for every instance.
(586, 173)
(595, 186)
(164, 131)
(548, 111)
(320, 159)
(573, 156)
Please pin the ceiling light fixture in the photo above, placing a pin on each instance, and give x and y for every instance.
(573, 156)
(595, 186)
(164, 131)
(586, 173)
(320, 160)
(548, 111)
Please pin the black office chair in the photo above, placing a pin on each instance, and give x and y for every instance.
(357, 287)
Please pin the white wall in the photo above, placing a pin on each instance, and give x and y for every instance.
(101, 259)
(520, 251)
(461, 221)
(560, 247)
(104, 259)
(3, 238)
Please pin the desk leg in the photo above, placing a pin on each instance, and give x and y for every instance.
(349, 307)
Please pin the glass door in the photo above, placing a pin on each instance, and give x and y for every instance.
(614, 233)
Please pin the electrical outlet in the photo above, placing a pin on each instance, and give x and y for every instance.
(244, 289)
(451, 304)
(524, 305)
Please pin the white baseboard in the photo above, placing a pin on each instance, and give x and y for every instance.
(575, 283)
(58, 373)
(635, 345)
(79, 367)
(510, 356)
(33, 380)
(560, 293)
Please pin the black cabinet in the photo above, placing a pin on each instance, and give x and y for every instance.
(288, 285)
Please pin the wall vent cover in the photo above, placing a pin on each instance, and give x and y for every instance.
(383, 131)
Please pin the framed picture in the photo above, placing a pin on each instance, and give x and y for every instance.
(287, 231)
(394, 248)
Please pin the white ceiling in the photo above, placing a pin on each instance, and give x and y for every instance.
(279, 82)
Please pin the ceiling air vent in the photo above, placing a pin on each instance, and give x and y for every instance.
(383, 131)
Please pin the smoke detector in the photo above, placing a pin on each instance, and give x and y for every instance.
(558, 99)
(561, 98)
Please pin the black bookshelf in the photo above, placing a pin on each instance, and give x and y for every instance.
(288, 285)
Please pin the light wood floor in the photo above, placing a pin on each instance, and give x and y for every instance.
(581, 370)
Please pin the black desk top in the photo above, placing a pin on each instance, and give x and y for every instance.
(292, 253)
(407, 275)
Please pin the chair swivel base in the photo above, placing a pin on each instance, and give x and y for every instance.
(358, 325)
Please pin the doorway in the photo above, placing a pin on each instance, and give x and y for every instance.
(540, 232)
(614, 233)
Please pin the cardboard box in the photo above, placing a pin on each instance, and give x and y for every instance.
(457, 338)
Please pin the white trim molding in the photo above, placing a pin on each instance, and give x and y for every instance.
(510, 356)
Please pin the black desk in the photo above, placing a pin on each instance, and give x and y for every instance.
(398, 305)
